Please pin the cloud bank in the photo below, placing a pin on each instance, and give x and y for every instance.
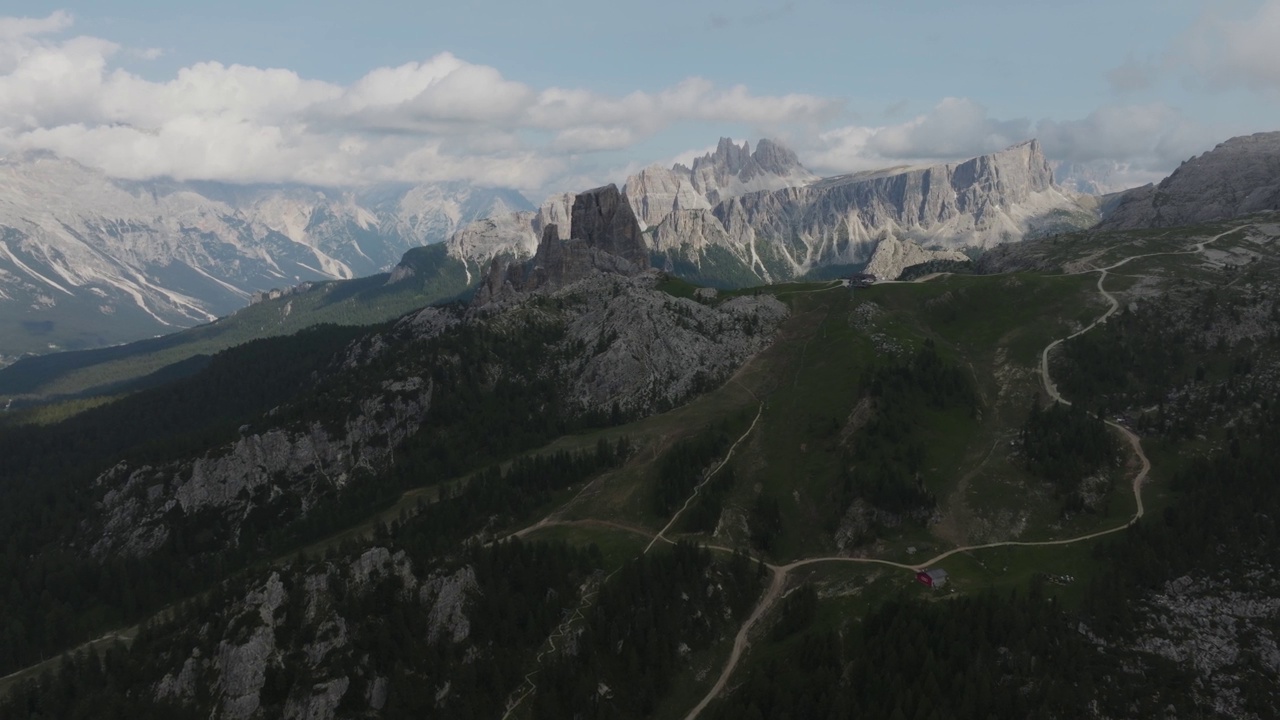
(1139, 142)
(444, 118)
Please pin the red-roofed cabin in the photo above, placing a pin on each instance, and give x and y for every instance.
(935, 578)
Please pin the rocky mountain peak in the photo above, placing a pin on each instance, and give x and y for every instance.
(731, 171)
(776, 158)
(730, 162)
(1238, 177)
(605, 236)
(604, 219)
(1013, 173)
(728, 157)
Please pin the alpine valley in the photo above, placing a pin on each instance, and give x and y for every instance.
(87, 260)
(651, 451)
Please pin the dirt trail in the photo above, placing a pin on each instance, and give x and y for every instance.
(698, 488)
(742, 641)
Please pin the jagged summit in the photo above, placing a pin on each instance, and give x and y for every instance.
(603, 219)
(731, 161)
(732, 170)
(1238, 177)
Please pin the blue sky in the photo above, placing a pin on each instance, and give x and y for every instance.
(558, 95)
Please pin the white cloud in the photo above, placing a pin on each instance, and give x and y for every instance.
(593, 139)
(1153, 134)
(13, 27)
(436, 119)
(1149, 138)
(954, 128)
(446, 118)
(1225, 50)
(1229, 45)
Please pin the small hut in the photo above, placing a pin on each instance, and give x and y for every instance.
(934, 578)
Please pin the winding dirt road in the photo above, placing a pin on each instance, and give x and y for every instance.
(778, 582)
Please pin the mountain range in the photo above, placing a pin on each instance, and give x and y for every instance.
(120, 260)
(89, 260)
(739, 217)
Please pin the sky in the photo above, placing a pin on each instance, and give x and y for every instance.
(568, 94)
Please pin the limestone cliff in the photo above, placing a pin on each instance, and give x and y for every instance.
(892, 256)
(788, 232)
(605, 237)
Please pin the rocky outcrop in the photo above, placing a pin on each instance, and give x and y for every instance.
(646, 350)
(556, 210)
(1238, 177)
(603, 219)
(512, 234)
(1221, 632)
(476, 245)
(605, 238)
(650, 350)
(279, 470)
(892, 256)
(241, 662)
(277, 293)
(263, 633)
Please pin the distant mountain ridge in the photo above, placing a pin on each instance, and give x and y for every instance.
(89, 260)
(739, 218)
(787, 233)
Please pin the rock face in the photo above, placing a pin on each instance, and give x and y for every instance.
(603, 219)
(651, 350)
(892, 256)
(740, 218)
(613, 342)
(730, 171)
(280, 470)
(785, 233)
(605, 238)
(1224, 637)
(291, 623)
(511, 237)
(140, 258)
(1238, 177)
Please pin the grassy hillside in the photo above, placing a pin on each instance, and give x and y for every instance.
(886, 430)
